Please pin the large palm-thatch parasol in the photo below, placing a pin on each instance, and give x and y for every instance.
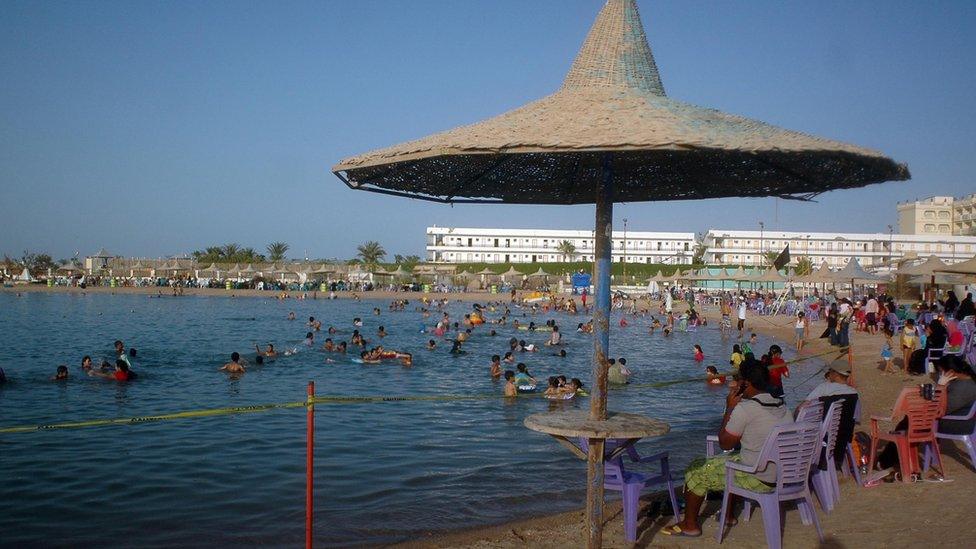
(966, 267)
(611, 134)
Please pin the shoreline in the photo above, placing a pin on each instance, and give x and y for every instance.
(859, 519)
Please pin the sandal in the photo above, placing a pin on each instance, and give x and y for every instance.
(676, 531)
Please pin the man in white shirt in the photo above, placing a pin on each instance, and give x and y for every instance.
(871, 314)
(741, 314)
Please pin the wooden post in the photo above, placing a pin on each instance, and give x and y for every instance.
(603, 232)
(309, 462)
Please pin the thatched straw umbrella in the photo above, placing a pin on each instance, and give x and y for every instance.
(928, 268)
(966, 267)
(611, 134)
(512, 272)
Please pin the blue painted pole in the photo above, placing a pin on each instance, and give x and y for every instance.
(601, 350)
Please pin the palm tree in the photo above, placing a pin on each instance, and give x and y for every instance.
(803, 266)
(230, 251)
(698, 257)
(277, 250)
(568, 249)
(371, 253)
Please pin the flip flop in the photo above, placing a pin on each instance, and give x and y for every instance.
(676, 531)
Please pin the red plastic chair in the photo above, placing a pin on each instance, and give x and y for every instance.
(920, 431)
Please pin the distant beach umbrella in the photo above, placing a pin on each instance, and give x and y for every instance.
(966, 267)
(611, 134)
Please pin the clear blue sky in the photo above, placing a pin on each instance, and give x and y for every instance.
(157, 128)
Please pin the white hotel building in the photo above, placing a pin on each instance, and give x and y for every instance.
(728, 247)
(467, 245)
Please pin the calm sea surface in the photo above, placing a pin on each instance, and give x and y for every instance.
(384, 471)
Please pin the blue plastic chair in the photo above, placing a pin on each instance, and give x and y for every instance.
(791, 447)
(825, 483)
(631, 484)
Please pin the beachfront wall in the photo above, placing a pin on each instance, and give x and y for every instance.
(875, 251)
(480, 245)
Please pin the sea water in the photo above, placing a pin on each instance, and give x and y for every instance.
(384, 471)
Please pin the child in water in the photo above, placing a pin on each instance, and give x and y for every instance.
(431, 344)
(62, 374)
(510, 388)
(699, 354)
(712, 377)
(552, 390)
(496, 367)
(456, 348)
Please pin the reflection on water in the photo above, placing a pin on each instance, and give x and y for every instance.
(384, 470)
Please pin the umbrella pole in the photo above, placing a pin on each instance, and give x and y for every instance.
(601, 349)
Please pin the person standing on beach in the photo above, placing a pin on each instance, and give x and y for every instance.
(741, 315)
(871, 314)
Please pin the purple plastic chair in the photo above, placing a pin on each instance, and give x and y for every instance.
(825, 483)
(791, 447)
(969, 441)
(631, 484)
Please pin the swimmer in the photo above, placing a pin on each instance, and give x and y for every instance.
(405, 358)
(234, 366)
(509, 358)
(573, 388)
(699, 354)
(291, 315)
(332, 330)
(120, 352)
(511, 389)
(492, 333)
(329, 345)
(528, 348)
(431, 344)
(463, 336)
(496, 367)
(456, 348)
(315, 325)
(341, 348)
(270, 353)
(357, 322)
(86, 364)
(381, 332)
(309, 339)
(552, 389)
(523, 378)
(623, 322)
(122, 372)
(555, 338)
(368, 358)
(667, 330)
(560, 354)
(62, 374)
(712, 377)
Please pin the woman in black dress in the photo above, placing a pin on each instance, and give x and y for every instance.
(936, 336)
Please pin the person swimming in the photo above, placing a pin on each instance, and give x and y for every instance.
(270, 352)
(560, 354)
(309, 339)
(329, 345)
(315, 325)
(712, 377)
(357, 322)
(523, 379)
(699, 354)
(62, 374)
(552, 389)
(509, 358)
(86, 364)
(234, 366)
(456, 348)
(431, 344)
(555, 338)
(511, 389)
(495, 370)
(381, 332)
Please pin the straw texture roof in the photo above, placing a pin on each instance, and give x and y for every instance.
(966, 267)
(854, 271)
(928, 267)
(612, 106)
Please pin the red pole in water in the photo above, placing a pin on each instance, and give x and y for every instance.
(309, 461)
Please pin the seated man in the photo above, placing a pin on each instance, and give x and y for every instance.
(750, 415)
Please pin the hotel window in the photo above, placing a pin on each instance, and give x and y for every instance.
(929, 214)
(929, 228)
(943, 215)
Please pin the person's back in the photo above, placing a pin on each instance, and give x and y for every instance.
(616, 376)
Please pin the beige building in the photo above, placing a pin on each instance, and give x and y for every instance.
(938, 215)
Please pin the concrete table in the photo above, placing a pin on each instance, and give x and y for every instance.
(576, 424)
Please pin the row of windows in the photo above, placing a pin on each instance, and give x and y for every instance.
(534, 258)
(546, 243)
